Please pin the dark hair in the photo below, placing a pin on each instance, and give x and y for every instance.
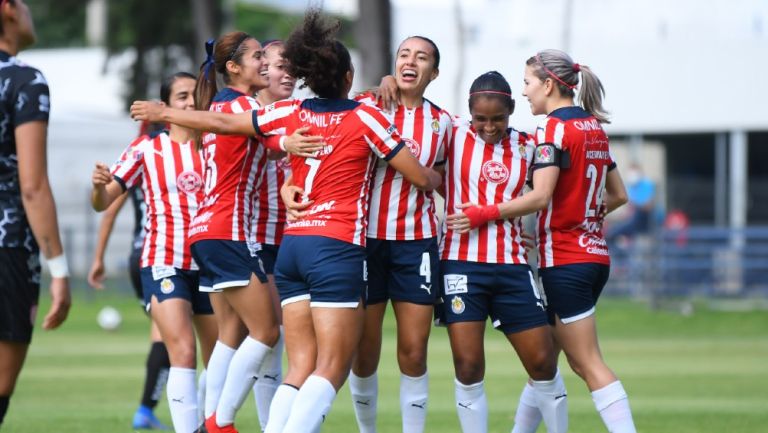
(13, 2)
(564, 72)
(430, 42)
(316, 57)
(492, 85)
(227, 47)
(167, 84)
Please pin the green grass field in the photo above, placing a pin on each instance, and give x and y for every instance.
(703, 373)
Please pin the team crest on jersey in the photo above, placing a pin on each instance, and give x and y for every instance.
(495, 172)
(189, 181)
(167, 286)
(522, 149)
(435, 126)
(457, 305)
(413, 146)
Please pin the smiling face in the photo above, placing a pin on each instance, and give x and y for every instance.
(247, 73)
(415, 66)
(490, 118)
(536, 91)
(182, 94)
(281, 84)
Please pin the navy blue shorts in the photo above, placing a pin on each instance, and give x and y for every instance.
(268, 256)
(167, 282)
(403, 271)
(572, 290)
(327, 272)
(225, 264)
(19, 293)
(507, 293)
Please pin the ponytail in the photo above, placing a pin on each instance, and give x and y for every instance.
(558, 66)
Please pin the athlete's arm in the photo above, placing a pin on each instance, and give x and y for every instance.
(472, 215)
(423, 178)
(96, 274)
(40, 208)
(105, 188)
(210, 121)
(615, 192)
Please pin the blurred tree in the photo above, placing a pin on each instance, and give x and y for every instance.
(58, 23)
(373, 33)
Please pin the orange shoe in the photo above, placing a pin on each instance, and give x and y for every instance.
(212, 427)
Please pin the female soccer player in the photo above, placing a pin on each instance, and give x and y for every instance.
(269, 220)
(483, 259)
(574, 183)
(402, 250)
(28, 222)
(321, 294)
(157, 363)
(169, 168)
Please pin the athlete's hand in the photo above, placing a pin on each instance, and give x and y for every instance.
(388, 94)
(471, 216)
(101, 175)
(459, 222)
(293, 209)
(147, 110)
(60, 303)
(96, 275)
(303, 145)
(529, 242)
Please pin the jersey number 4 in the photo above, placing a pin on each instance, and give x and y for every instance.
(596, 189)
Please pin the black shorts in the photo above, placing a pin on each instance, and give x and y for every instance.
(572, 290)
(268, 256)
(19, 293)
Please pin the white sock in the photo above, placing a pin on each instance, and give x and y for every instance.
(311, 405)
(528, 415)
(270, 377)
(472, 407)
(613, 404)
(182, 399)
(280, 409)
(241, 375)
(365, 396)
(552, 400)
(413, 402)
(216, 375)
(201, 398)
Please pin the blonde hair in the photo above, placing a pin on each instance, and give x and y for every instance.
(560, 67)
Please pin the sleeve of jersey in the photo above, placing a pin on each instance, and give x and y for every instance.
(382, 137)
(366, 98)
(611, 162)
(549, 143)
(273, 119)
(128, 169)
(32, 100)
(447, 126)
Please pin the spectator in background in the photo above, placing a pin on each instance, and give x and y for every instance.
(641, 191)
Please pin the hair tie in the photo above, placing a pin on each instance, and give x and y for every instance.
(495, 92)
(576, 68)
(209, 61)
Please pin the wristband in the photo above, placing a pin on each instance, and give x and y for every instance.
(58, 266)
(479, 215)
(282, 143)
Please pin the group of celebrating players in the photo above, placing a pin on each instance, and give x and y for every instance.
(277, 223)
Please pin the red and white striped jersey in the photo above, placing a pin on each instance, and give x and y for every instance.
(570, 230)
(399, 211)
(171, 176)
(485, 173)
(269, 215)
(234, 168)
(337, 179)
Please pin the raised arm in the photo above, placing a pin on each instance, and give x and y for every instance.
(40, 208)
(209, 121)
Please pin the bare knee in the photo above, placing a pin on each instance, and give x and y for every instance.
(182, 355)
(412, 359)
(469, 369)
(366, 363)
(540, 365)
(267, 335)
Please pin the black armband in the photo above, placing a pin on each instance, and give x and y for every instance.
(549, 155)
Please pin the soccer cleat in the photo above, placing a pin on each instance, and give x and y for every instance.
(211, 426)
(145, 419)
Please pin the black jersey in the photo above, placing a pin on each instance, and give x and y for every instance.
(23, 98)
(139, 215)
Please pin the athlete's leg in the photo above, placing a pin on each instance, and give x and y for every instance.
(12, 356)
(338, 332)
(579, 342)
(301, 348)
(174, 320)
(468, 351)
(231, 332)
(414, 322)
(271, 372)
(363, 380)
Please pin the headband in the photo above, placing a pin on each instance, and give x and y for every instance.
(493, 92)
(576, 68)
(237, 45)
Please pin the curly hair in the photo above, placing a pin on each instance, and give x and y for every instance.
(316, 57)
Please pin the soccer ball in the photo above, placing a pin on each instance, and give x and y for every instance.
(109, 319)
